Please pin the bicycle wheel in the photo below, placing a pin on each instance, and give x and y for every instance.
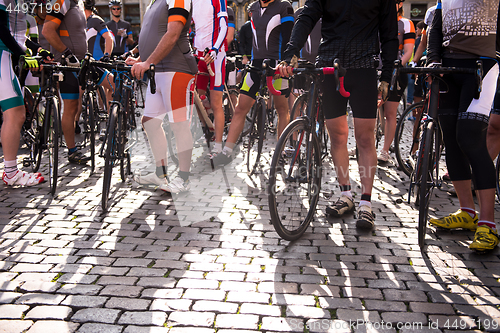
(53, 136)
(294, 180)
(123, 126)
(407, 137)
(256, 136)
(110, 154)
(498, 177)
(428, 155)
(379, 126)
(89, 126)
(299, 107)
(31, 134)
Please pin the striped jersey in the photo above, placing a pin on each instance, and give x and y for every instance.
(406, 33)
(95, 41)
(210, 21)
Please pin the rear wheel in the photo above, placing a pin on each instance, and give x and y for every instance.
(294, 180)
(89, 126)
(407, 137)
(256, 137)
(31, 134)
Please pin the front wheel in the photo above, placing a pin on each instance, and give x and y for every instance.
(294, 180)
(110, 154)
(53, 142)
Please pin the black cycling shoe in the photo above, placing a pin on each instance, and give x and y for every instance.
(366, 218)
(78, 158)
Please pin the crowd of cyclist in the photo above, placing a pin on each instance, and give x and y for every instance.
(365, 35)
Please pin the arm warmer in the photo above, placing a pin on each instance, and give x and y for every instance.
(435, 37)
(286, 32)
(33, 46)
(222, 33)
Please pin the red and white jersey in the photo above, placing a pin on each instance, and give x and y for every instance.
(210, 23)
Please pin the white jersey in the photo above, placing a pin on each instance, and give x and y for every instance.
(17, 21)
(210, 21)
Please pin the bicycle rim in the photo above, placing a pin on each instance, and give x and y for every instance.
(294, 181)
(299, 107)
(91, 130)
(53, 144)
(32, 137)
(256, 137)
(407, 137)
(426, 181)
(110, 155)
(123, 118)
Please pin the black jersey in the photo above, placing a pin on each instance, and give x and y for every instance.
(271, 27)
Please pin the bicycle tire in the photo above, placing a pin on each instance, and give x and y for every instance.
(379, 125)
(53, 137)
(32, 136)
(299, 107)
(408, 135)
(426, 181)
(293, 195)
(110, 154)
(89, 127)
(123, 119)
(256, 136)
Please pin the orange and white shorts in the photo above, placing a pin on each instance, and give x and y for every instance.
(172, 97)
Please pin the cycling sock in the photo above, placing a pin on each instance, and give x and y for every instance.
(10, 168)
(471, 211)
(366, 200)
(184, 175)
(217, 147)
(227, 150)
(72, 150)
(492, 225)
(161, 171)
(346, 190)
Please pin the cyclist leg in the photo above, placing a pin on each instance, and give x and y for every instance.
(493, 135)
(217, 83)
(281, 103)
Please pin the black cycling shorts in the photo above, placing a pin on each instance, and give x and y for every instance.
(399, 89)
(362, 85)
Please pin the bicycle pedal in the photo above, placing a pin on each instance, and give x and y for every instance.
(26, 162)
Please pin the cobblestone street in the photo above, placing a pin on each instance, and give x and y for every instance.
(210, 261)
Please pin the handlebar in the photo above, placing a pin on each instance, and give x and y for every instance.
(478, 72)
(117, 65)
(337, 70)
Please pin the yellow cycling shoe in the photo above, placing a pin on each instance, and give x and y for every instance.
(485, 239)
(459, 219)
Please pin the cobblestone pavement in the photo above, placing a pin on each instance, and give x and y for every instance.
(210, 261)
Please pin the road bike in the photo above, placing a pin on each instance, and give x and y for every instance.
(296, 167)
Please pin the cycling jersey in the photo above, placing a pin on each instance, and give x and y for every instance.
(351, 31)
(41, 38)
(406, 33)
(458, 38)
(310, 49)
(31, 28)
(231, 19)
(95, 41)
(245, 39)
(155, 24)
(16, 23)
(120, 42)
(210, 21)
(271, 27)
(72, 26)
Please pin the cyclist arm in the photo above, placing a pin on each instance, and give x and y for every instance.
(388, 32)
(50, 33)
(6, 36)
(421, 48)
(108, 42)
(435, 38)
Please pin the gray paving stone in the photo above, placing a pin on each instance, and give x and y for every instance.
(191, 318)
(260, 309)
(156, 282)
(14, 326)
(35, 286)
(81, 301)
(123, 291)
(143, 318)
(9, 297)
(170, 305)
(77, 278)
(291, 299)
(301, 311)
(146, 329)
(403, 317)
(404, 295)
(11, 311)
(282, 324)
(79, 289)
(162, 293)
(117, 280)
(36, 298)
(59, 326)
(237, 321)
(213, 306)
(128, 304)
(44, 312)
(342, 303)
(96, 315)
(100, 328)
(194, 330)
(202, 294)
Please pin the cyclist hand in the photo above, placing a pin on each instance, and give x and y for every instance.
(138, 69)
(383, 91)
(28, 62)
(70, 58)
(126, 55)
(46, 55)
(131, 60)
(210, 56)
(105, 57)
(286, 69)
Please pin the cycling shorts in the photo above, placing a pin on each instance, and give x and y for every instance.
(461, 89)
(362, 84)
(399, 89)
(251, 84)
(218, 68)
(420, 87)
(32, 83)
(11, 95)
(172, 97)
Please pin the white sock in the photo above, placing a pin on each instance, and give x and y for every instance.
(365, 203)
(10, 168)
(346, 193)
(227, 150)
(217, 147)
